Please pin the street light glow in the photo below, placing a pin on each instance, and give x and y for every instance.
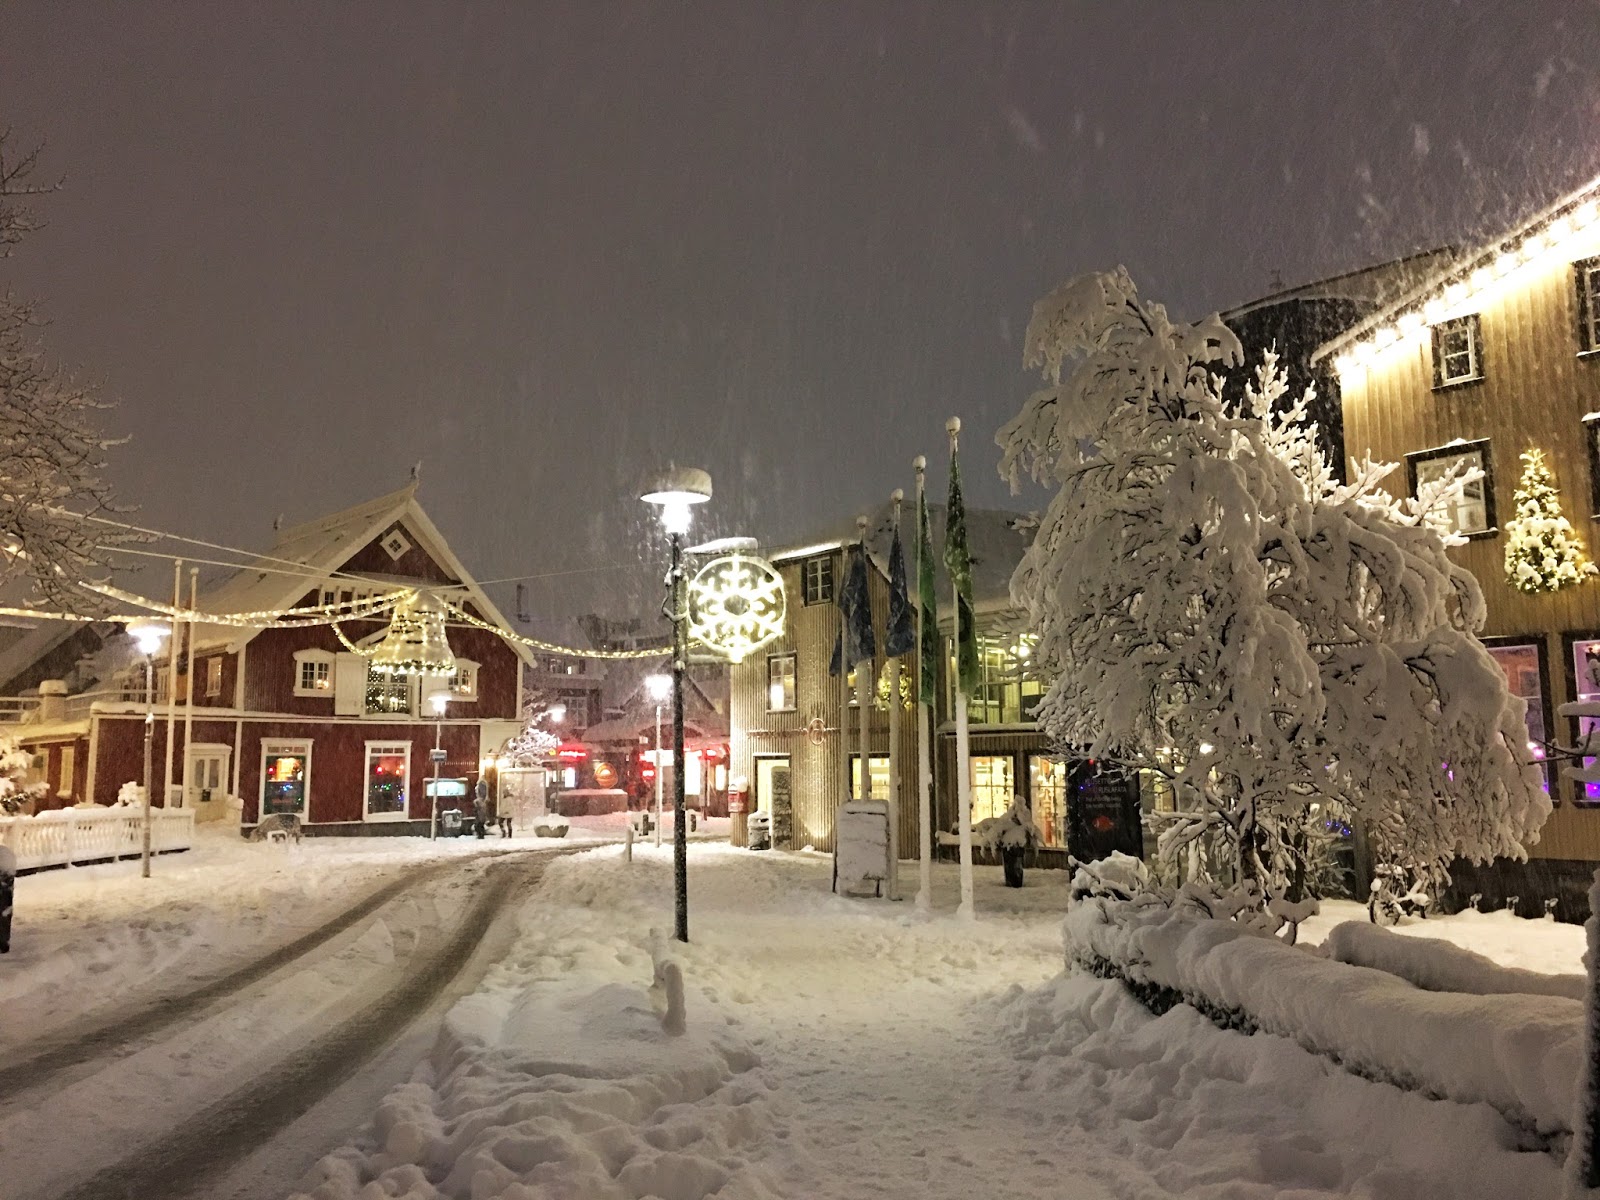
(659, 687)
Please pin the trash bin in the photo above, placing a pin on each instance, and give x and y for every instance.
(450, 823)
(760, 830)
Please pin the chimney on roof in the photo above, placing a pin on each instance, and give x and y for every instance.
(52, 699)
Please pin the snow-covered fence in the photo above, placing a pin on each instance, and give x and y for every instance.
(1526, 1051)
(75, 835)
(1439, 966)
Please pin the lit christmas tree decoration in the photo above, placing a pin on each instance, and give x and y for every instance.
(1543, 553)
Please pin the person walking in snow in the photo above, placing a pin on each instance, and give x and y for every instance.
(480, 805)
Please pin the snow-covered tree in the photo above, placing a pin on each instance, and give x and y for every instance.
(538, 739)
(1213, 606)
(50, 449)
(15, 765)
(1543, 553)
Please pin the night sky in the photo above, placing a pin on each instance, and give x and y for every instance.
(542, 247)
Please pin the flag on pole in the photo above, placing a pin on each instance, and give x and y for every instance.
(927, 601)
(855, 642)
(958, 562)
(901, 635)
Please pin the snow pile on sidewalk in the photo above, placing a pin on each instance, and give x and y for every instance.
(556, 1078)
(1524, 1051)
(1440, 966)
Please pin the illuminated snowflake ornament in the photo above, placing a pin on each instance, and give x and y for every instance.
(736, 605)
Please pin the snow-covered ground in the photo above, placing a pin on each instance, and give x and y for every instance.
(1512, 941)
(855, 1048)
(87, 938)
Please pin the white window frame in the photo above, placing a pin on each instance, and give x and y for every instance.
(214, 675)
(1473, 328)
(377, 749)
(389, 714)
(812, 590)
(468, 689)
(1439, 460)
(69, 768)
(293, 747)
(395, 543)
(319, 658)
(793, 675)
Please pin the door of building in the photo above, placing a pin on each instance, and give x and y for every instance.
(206, 778)
(773, 796)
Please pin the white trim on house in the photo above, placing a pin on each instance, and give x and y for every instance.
(385, 748)
(467, 690)
(321, 663)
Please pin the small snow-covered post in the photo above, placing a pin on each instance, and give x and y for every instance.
(926, 665)
(1583, 1160)
(627, 841)
(959, 564)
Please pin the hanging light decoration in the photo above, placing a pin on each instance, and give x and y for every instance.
(414, 643)
(736, 605)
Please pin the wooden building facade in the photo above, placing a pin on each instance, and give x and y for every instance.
(1495, 355)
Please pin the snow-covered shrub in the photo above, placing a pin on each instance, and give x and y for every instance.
(16, 798)
(1014, 829)
(130, 793)
(1213, 606)
(1440, 966)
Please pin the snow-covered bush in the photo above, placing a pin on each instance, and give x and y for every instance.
(1014, 829)
(1439, 966)
(130, 793)
(1215, 607)
(16, 763)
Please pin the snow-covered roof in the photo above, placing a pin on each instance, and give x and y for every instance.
(1377, 284)
(1467, 273)
(996, 539)
(306, 555)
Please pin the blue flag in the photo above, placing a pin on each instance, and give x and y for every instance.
(856, 642)
(901, 635)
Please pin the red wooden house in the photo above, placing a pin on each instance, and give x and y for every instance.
(290, 720)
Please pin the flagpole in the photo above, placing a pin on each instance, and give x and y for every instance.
(963, 748)
(924, 724)
(863, 688)
(897, 497)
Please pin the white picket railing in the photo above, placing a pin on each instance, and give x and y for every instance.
(76, 835)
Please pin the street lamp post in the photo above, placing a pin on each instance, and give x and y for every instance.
(148, 637)
(439, 700)
(674, 491)
(660, 687)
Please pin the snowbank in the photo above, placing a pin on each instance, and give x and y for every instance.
(1524, 1052)
(1440, 966)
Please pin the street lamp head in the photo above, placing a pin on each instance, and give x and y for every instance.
(659, 687)
(558, 713)
(440, 701)
(674, 491)
(148, 635)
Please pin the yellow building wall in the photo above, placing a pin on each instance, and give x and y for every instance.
(1536, 390)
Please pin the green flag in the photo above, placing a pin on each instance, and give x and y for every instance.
(928, 602)
(958, 562)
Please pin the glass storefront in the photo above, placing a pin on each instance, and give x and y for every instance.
(993, 785)
(1525, 678)
(1047, 794)
(285, 774)
(879, 771)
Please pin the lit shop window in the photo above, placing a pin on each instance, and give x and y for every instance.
(780, 683)
(994, 783)
(388, 774)
(285, 777)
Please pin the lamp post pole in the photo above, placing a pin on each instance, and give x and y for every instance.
(680, 835)
(149, 737)
(439, 703)
(660, 781)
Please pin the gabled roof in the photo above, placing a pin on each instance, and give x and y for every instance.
(307, 554)
(1457, 288)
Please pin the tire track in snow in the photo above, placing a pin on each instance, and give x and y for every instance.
(117, 1038)
(234, 1127)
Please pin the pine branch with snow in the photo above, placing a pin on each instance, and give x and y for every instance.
(1543, 552)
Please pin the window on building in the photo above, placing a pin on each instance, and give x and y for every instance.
(464, 683)
(1472, 511)
(1047, 796)
(816, 579)
(285, 777)
(69, 768)
(1586, 686)
(1587, 278)
(780, 683)
(1008, 690)
(388, 777)
(1457, 351)
(313, 673)
(1525, 676)
(387, 694)
(214, 676)
(877, 776)
(994, 783)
